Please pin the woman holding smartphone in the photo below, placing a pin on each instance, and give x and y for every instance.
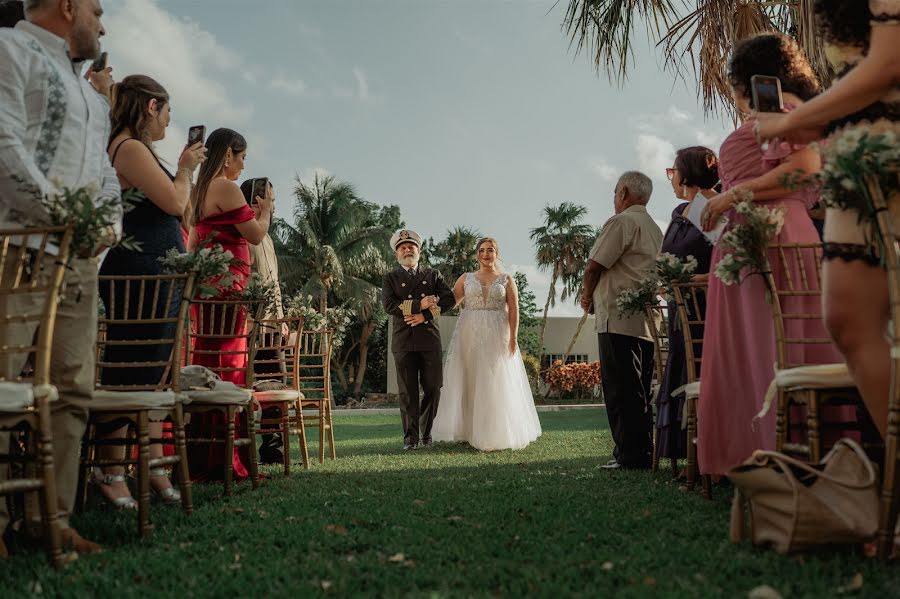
(739, 339)
(222, 216)
(861, 38)
(140, 113)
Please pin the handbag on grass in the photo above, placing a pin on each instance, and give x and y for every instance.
(793, 505)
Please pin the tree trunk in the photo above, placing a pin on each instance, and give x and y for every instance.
(364, 336)
(575, 337)
(550, 294)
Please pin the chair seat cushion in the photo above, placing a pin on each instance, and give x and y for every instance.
(279, 395)
(131, 400)
(691, 390)
(15, 397)
(819, 376)
(225, 392)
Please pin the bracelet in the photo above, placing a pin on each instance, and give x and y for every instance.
(187, 171)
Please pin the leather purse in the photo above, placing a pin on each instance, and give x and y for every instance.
(794, 505)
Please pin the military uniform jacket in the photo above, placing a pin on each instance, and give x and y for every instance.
(401, 295)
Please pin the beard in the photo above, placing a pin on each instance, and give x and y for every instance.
(83, 43)
(408, 262)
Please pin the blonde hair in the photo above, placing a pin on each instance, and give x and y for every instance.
(483, 240)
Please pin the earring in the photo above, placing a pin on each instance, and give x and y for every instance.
(226, 164)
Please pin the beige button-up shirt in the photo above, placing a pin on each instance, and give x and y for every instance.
(627, 248)
(264, 262)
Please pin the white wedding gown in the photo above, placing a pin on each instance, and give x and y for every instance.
(486, 399)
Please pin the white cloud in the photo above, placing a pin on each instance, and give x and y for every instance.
(292, 87)
(655, 154)
(602, 168)
(362, 84)
(308, 175)
(187, 60)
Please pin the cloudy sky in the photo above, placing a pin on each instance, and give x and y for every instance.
(462, 112)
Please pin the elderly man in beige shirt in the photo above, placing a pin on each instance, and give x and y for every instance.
(623, 255)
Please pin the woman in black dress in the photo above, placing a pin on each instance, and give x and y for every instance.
(140, 115)
(695, 171)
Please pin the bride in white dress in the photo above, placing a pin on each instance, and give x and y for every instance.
(486, 399)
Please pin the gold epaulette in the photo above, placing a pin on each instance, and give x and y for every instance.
(406, 308)
(435, 311)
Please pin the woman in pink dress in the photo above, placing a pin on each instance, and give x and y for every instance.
(221, 216)
(739, 340)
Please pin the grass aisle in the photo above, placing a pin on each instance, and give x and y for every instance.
(447, 521)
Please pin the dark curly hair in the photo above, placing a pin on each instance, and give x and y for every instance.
(698, 167)
(774, 55)
(844, 21)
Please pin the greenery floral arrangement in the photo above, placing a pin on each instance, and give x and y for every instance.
(672, 270)
(581, 377)
(632, 300)
(93, 219)
(260, 291)
(745, 243)
(336, 318)
(210, 265)
(853, 157)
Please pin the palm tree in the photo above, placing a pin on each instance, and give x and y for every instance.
(697, 36)
(335, 250)
(455, 254)
(562, 245)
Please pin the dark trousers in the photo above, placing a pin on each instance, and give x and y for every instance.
(415, 368)
(626, 368)
(271, 442)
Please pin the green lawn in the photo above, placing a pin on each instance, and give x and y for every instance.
(447, 521)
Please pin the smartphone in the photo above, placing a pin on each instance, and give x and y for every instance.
(258, 189)
(766, 93)
(197, 133)
(100, 64)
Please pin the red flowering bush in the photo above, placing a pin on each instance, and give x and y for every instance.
(580, 377)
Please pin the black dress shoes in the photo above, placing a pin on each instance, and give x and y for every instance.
(426, 443)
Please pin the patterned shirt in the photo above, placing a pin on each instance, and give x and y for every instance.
(53, 127)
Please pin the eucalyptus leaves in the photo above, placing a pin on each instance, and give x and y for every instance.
(670, 270)
(745, 243)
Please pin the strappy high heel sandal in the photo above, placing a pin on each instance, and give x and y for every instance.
(170, 496)
(126, 502)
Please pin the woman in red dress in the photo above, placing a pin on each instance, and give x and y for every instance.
(220, 215)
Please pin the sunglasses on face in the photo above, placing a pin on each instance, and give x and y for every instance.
(670, 173)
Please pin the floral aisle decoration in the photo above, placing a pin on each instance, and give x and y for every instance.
(336, 318)
(745, 243)
(210, 266)
(669, 270)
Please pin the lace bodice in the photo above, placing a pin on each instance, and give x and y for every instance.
(481, 297)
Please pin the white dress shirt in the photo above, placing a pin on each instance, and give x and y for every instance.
(53, 127)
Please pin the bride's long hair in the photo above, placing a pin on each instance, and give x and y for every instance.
(497, 261)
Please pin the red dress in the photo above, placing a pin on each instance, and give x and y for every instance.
(206, 461)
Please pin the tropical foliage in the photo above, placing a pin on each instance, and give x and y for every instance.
(453, 255)
(562, 245)
(696, 36)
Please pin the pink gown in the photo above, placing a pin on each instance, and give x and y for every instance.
(739, 341)
(205, 462)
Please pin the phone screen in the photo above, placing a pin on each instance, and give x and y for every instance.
(259, 188)
(766, 94)
(196, 134)
(100, 64)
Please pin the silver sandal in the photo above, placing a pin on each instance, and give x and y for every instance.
(170, 496)
(126, 502)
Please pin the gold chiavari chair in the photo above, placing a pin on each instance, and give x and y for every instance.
(657, 321)
(690, 301)
(277, 356)
(138, 380)
(314, 376)
(223, 336)
(31, 275)
(799, 334)
(890, 483)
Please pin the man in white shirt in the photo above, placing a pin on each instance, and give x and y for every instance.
(623, 255)
(53, 134)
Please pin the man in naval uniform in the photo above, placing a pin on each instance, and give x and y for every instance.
(414, 297)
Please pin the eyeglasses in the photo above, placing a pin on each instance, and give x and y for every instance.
(670, 173)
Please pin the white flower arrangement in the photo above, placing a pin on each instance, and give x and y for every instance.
(746, 242)
(336, 319)
(672, 270)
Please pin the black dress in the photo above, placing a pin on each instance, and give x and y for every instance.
(157, 232)
(682, 239)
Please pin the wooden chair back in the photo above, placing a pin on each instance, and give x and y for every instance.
(216, 321)
(277, 354)
(314, 364)
(690, 302)
(657, 321)
(24, 254)
(158, 302)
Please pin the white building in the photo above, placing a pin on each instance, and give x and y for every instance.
(557, 337)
